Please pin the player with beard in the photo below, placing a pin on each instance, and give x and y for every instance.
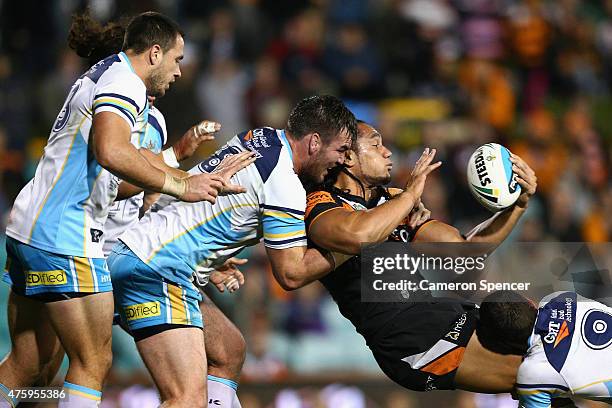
(156, 261)
(411, 341)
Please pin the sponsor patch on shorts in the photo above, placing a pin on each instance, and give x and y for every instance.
(142, 310)
(46, 278)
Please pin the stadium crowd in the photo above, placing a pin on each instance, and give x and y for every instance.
(534, 75)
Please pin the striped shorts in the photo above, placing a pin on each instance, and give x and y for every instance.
(32, 271)
(145, 299)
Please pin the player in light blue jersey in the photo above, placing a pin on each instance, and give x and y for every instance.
(154, 265)
(566, 344)
(61, 289)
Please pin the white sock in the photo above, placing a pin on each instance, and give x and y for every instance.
(222, 393)
(78, 396)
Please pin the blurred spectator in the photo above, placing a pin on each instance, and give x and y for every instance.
(543, 149)
(304, 314)
(353, 62)
(492, 98)
(299, 50)
(267, 100)
(220, 92)
(261, 364)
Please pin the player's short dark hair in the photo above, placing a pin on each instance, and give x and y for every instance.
(92, 40)
(150, 28)
(324, 114)
(506, 322)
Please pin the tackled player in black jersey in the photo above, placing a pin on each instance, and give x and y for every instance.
(420, 345)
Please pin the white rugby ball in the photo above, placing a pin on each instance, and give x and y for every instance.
(491, 178)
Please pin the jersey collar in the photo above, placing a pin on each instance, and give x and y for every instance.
(123, 56)
(286, 143)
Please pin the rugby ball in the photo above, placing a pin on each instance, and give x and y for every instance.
(491, 178)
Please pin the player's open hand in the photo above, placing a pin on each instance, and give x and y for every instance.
(230, 166)
(202, 187)
(186, 146)
(526, 178)
(228, 275)
(422, 168)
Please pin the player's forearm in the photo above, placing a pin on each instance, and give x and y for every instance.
(312, 266)
(496, 229)
(157, 161)
(375, 225)
(127, 190)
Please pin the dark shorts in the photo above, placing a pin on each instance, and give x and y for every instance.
(423, 346)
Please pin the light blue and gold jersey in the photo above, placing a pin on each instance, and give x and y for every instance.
(570, 352)
(182, 239)
(123, 214)
(64, 207)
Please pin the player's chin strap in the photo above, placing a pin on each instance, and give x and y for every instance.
(346, 171)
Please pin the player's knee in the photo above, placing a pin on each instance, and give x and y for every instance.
(186, 396)
(236, 352)
(50, 367)
(229, 358)
(24, 368)
(96, 363)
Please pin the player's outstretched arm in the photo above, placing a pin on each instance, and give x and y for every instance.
(344, 231)
(110, 140)
(497, 228)
(297, 266)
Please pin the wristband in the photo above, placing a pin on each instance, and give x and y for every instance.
(170, 158)
(174, 186)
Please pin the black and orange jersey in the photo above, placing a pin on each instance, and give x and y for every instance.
(419, 345)
(344, 283)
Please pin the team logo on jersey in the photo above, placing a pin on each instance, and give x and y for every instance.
(62, 118)
(597, 329)
(46, 278)
(142, 310)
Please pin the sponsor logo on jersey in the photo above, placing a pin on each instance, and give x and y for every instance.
(46, 278)
(316, 198)
(142, 310)
(556, 333)
(555, 325)
(96, 235)
(430, 384)
(457, 327)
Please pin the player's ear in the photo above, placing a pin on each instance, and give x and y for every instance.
(350, 158)
(315, 143)
(155, 54)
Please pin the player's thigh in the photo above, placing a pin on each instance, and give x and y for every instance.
(484, 371)
(84, 325)
(225, 345)
(176, 359)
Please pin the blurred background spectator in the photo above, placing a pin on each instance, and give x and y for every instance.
(535, 75)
